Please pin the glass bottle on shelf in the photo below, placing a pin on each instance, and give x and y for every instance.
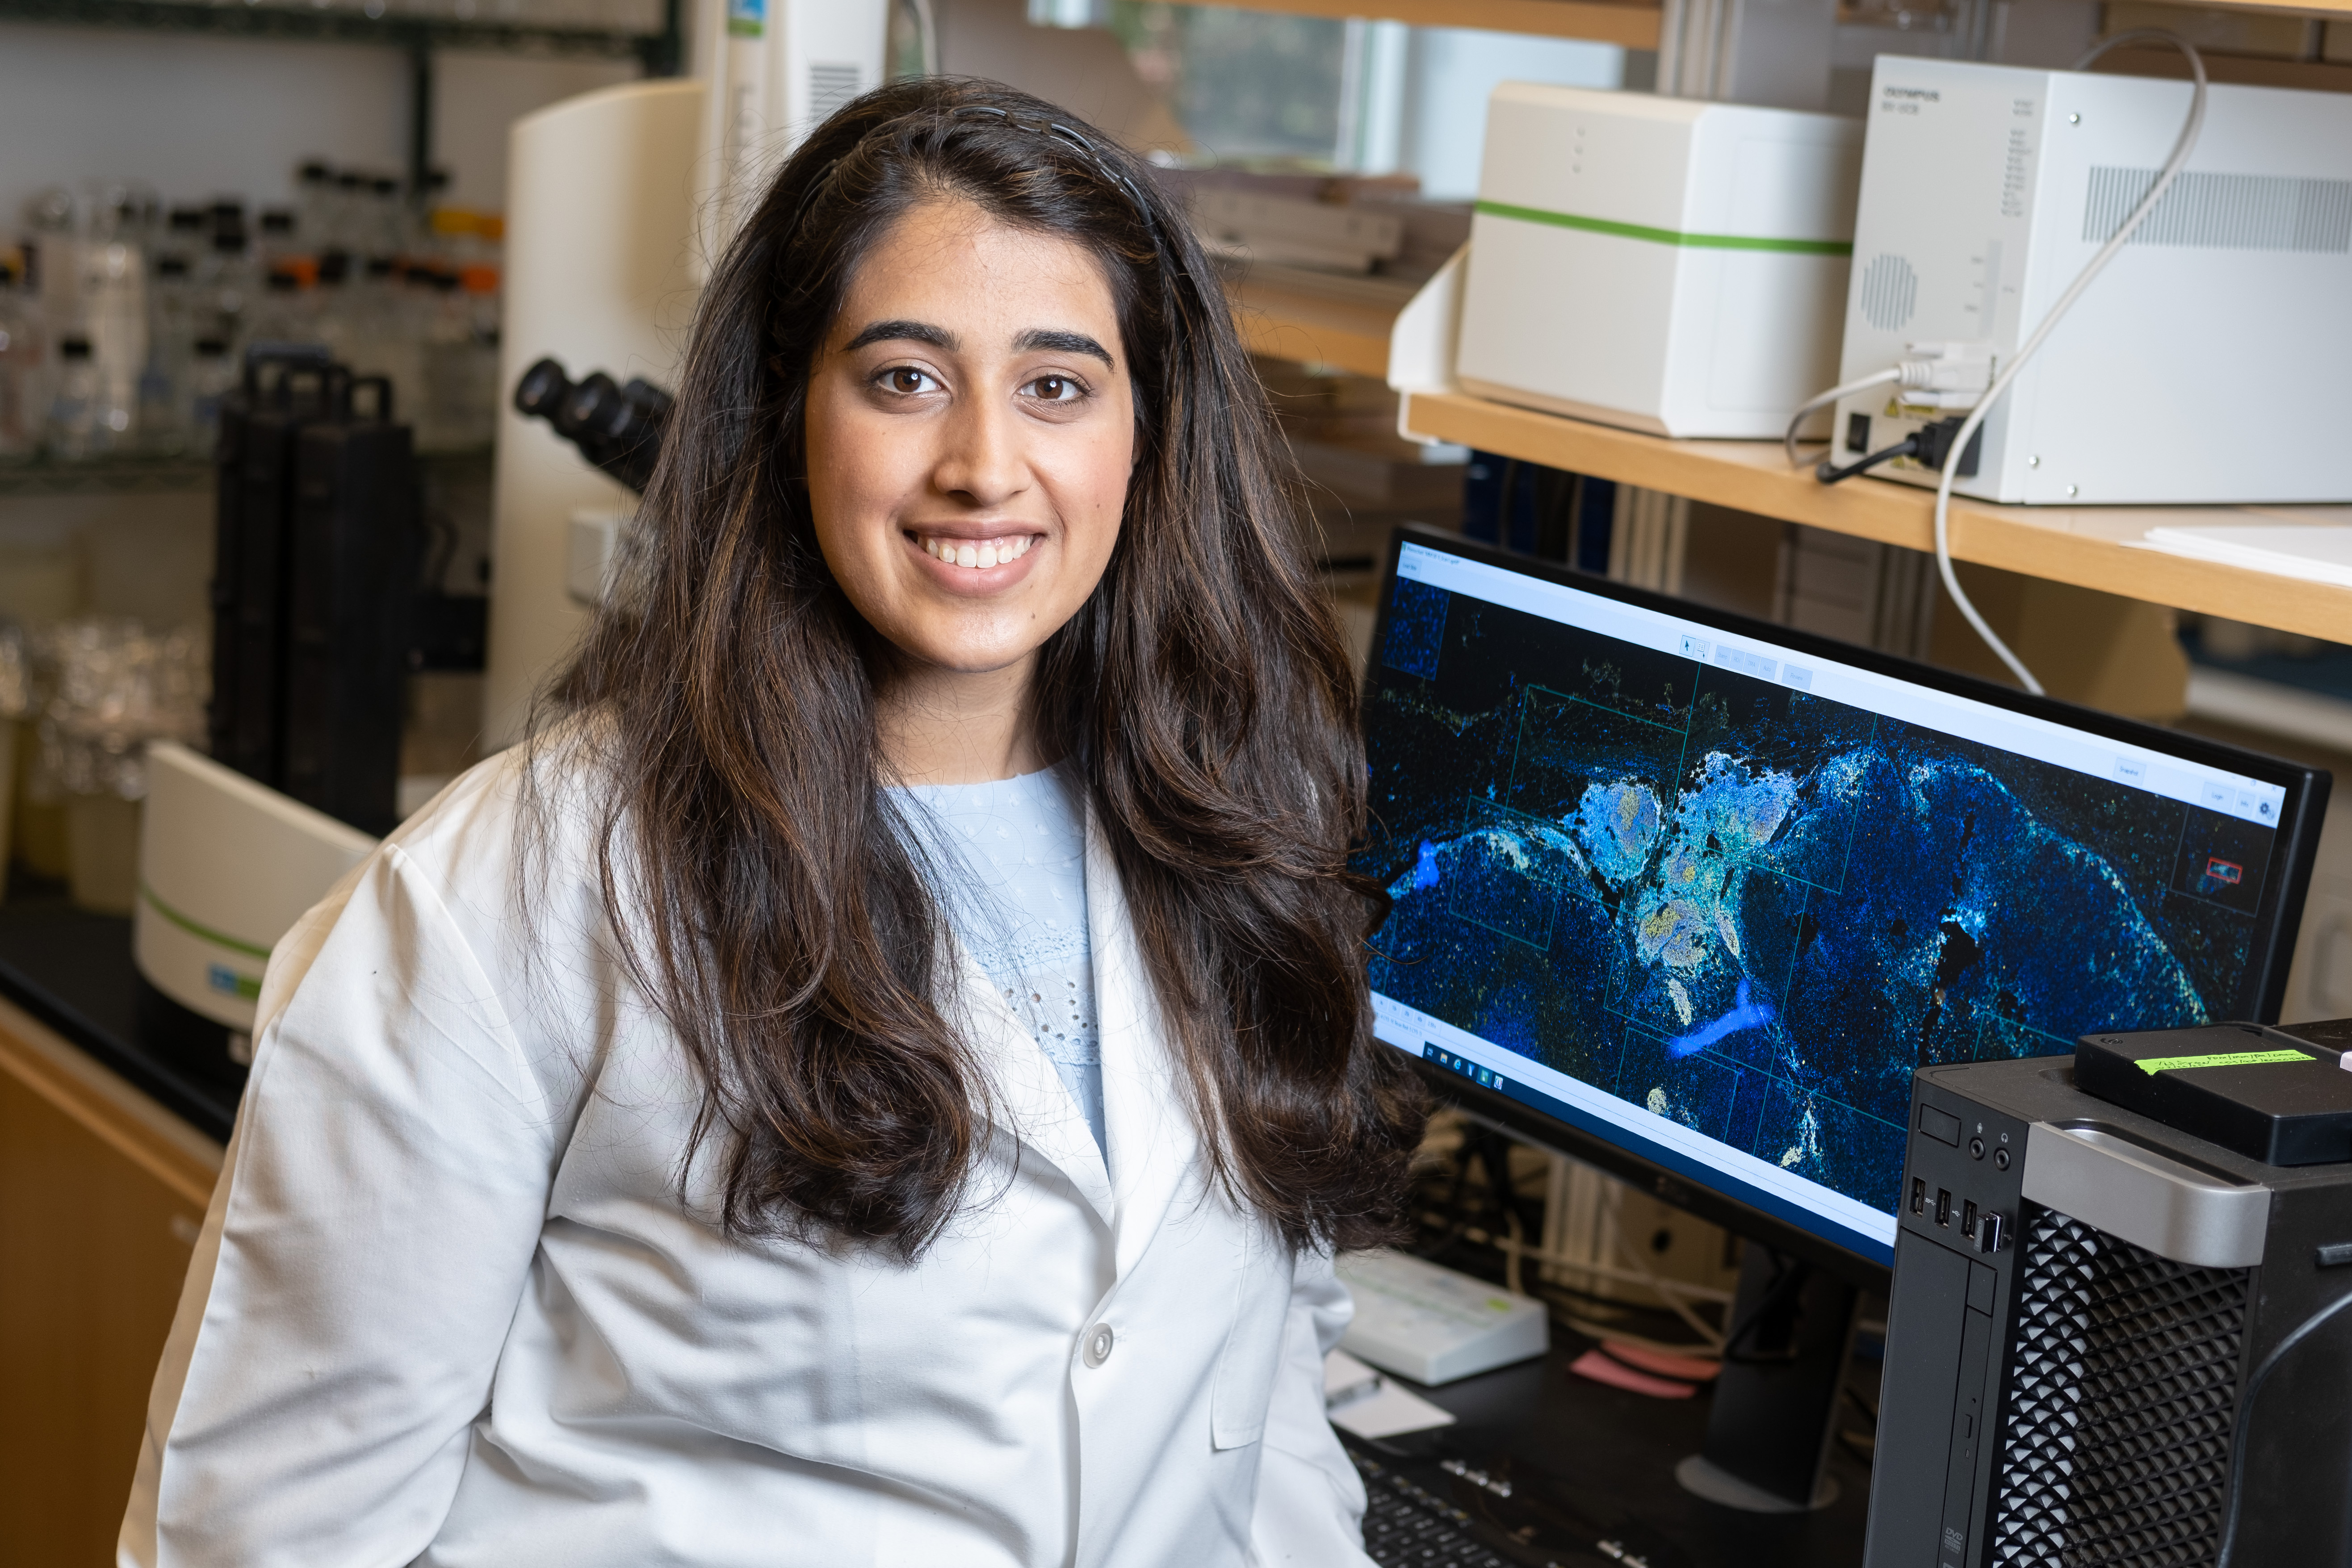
(279, 238)
(385, 226)
(212, 375)
(477, 419)
(314, 203)
(286, 312)
(75, 430)
(330, 302)
(171, 330)
(24, 368)
(226, 285)
(110, 304)
(446, 423)
(349, 212)
(188, 234)
(416, 236)
(372, 339)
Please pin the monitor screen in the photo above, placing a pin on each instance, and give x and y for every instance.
(1709, 890)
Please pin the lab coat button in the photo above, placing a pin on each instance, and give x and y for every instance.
(1098, 1345)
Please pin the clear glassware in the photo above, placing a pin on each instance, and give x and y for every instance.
(24, 368)
(226, 284)
(170, 334)
(286, 313)
(280, 240)
(76, 430)
(116, 221)
(212, 377)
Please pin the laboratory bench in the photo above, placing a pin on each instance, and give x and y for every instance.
(110, 1146)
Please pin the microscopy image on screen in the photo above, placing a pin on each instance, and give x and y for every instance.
(1754, 910)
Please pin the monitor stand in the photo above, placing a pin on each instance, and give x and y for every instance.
(1775, 1402)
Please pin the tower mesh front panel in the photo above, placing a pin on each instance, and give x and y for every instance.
(2123, 1394)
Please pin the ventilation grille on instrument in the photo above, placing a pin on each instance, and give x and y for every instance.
(2122, 1398)
(1889, 289)
(2223, 211)
(831, 85)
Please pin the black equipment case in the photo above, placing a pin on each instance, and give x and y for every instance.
(313, 584)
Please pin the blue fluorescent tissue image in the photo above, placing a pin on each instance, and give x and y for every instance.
(1754, 910)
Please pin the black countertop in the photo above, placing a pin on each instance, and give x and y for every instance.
(72, 970)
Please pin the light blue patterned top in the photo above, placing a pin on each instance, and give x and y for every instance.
(1016, 851)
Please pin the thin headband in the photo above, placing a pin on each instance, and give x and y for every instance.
(1070, 138)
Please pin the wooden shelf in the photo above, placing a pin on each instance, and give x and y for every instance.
(2085, 546)
(1635, 27)
(2300, 8)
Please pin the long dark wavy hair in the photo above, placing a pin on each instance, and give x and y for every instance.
(764, 891)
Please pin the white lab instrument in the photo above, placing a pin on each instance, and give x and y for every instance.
(595, 553)
(774, 70)
(617, 203)
(226, 866)
(2203, 365)
(1666, 264)
(1432, 1324)
(600, 223)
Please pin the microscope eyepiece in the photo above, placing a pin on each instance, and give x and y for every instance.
(617, 429)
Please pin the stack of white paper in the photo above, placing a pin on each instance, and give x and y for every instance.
(2311, 555)
(1369, 1405)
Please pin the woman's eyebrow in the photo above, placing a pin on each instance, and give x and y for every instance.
(1046, 338)
(903, 332)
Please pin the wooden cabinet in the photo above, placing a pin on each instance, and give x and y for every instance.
(102, 1193)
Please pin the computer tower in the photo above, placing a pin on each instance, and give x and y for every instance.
(350, 564)
(2108, 1342)
(2200, 366)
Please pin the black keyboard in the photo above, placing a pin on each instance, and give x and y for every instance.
(1405, 1525)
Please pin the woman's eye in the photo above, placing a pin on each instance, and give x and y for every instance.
(1056, 389)
(908, 380)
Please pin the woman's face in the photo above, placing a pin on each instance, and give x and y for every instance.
(971, 430)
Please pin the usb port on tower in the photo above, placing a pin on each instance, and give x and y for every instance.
(1943, 1206)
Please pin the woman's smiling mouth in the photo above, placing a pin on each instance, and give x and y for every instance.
(979, 554)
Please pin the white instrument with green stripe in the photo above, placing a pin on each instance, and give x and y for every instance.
(1663, 263)
(226, 866)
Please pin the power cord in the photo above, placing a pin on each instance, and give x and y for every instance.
(2189, 132)
(1967, 431)
(1789, 442)
(1931, 444)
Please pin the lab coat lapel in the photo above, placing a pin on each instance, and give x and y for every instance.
(1033, 1106)
(1154, 1144)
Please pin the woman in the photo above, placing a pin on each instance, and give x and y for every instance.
(880, 1079)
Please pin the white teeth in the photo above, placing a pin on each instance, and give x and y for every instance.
(994, 553)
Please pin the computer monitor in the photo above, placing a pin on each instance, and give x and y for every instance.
(1692, 896)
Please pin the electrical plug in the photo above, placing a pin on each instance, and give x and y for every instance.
(1945, 367)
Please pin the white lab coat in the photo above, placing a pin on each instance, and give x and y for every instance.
(448, 1308)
